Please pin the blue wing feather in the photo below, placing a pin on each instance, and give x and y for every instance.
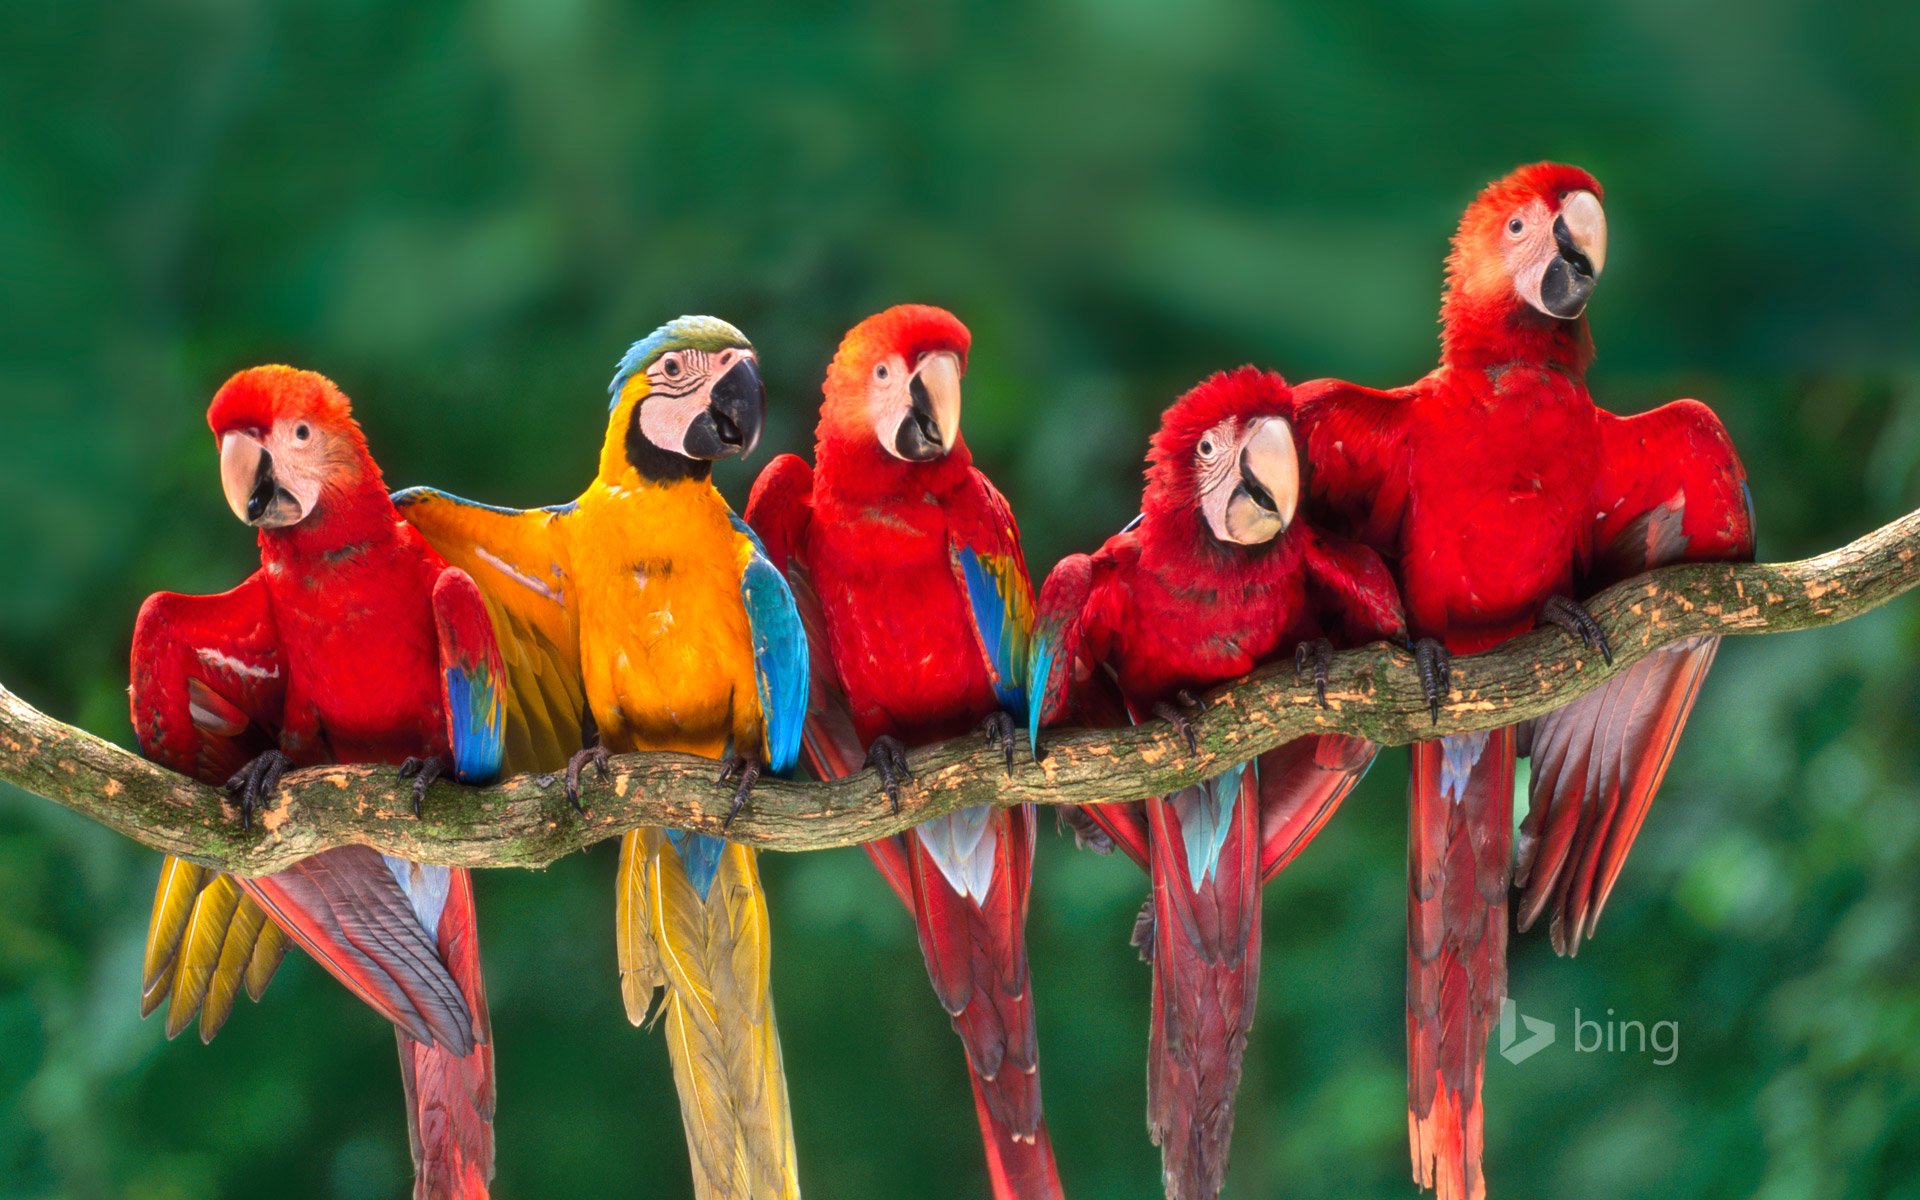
(1002, 607)
(478, 723)
(779, 654)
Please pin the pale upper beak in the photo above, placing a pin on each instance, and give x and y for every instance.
(931, 425)
(1580, 253)
(254, 491)
(1586, 224)
(1265, 490)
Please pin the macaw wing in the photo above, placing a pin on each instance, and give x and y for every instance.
(780, 511)
(1067, 673)
(780, 658)
(518, 559)
(208, 682)
(1353, 590)
(473, 678)
(1301, 786)
(1671, 489)
(1354, 439)
(985, 554)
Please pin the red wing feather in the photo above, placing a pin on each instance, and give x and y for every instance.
(1302, 785)
(1355, 447)
(208, 680)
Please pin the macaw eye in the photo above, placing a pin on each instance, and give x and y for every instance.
(301, 432)
(880, 372)
(1516, 227)
(671, 368)
(1206, 448)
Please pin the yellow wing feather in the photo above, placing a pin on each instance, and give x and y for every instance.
(641, 974)
(720, 1029)
(519, 559)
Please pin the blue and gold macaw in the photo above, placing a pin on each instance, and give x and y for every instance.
(645, 616)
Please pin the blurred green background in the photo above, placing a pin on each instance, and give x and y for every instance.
(464, 213)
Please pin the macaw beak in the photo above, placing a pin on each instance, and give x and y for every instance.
(736, 412)
(931, 425)
(1266, 491)
(253, 492)
(1580, 237)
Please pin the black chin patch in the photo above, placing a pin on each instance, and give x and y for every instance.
(662, 466)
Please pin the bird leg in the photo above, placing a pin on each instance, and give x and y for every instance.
(1087, 833)
(1573, 617)
(1318, 654)
(423, 771)
(598, 756)
(889, 758)
(747, 769)
(999, 728)
(252, 785)
(1175, 713)
(1435, 664)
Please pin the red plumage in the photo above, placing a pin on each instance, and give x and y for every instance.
(336, 651)
(1172, 606)
(874, 544)
(1493, 485)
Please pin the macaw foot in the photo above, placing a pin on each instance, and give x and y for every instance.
(1435, 664)
(889, 758)
(1143, 931)
(1317, 654)
(1572, 616)
(253, 784)
(1176, 713)
(746, 769)
(1087, 833)
(597, 755)
(999, 727)
(423, 771)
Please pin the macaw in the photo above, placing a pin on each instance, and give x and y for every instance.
(1501, 494)
(353, 643)
(894, 508)
(645, 616)
(1215, 577)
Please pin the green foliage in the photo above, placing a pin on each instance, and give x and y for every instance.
(465, 212)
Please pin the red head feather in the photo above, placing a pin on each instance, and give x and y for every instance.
(1484, 320)
(253, 399)
(846, 444)
(354, 495)
(1244, 393)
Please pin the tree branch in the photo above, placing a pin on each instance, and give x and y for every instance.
(525, 821)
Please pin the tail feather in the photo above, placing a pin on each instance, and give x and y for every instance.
(1205, 949)
(450, 1097)
(976, 956)
(713, 957)
(1459, 863)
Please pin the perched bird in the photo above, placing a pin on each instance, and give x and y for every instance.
(645, 616)
(1216, 577)
(353, 643)
(908, 562)
(1500, 494)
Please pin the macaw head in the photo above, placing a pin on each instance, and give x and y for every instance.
(1536, 238)
(895, 383)
(1225, 454)
(684, 396)
(289, 447)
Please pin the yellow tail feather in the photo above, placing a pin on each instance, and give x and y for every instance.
(179, 887)
(641, 975)
(713, 958)
(243, 937)
(200, 947)
(267, 953)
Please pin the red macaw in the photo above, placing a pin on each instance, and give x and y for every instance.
(354, 642)
(1216, 577)
(1501, 493)
(907, 564)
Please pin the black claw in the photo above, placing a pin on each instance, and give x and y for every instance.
(747, 770)
(1573, 617)
(1435, 665)
(999, 727)
(423, 771)
(1175, 714)
(254, 783)
(597, 755)
(1317, 654)
(888, 757)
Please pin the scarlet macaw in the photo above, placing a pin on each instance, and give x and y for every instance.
(910, 562)
(354, 642)
(1501, 493)
(644, 616)
(1216, 577)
